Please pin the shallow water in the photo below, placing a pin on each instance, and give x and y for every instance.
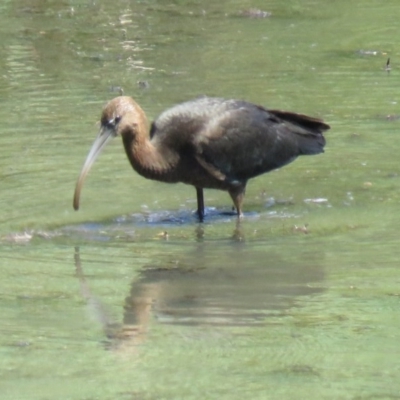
(131, 297)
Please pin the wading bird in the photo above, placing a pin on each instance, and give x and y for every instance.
(211, 143)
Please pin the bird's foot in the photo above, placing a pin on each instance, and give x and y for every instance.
(200, 215)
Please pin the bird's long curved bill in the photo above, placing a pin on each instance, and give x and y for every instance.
(98, 145)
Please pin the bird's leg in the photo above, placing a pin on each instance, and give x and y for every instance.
(237, 195)
(200, 203)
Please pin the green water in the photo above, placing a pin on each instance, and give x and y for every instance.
(131, 298)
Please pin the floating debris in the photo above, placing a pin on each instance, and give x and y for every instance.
(388, 117)
(117, 89)
(255, 13)
(163, 235)
(368, 52)
(143, 84)
(270, 202)
(24, 237)
(302, 229)
(285, 202)
(319, 200)
(392, 117)
(27, 236)
(388, 68)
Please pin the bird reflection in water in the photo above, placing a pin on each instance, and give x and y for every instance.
(211, 143)
(200, 290)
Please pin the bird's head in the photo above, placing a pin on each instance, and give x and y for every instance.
(120, 117)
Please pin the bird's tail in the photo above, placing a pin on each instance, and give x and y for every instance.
(308, 130)
(310, 144)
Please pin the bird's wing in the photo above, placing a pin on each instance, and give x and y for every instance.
(210, 168)
(246, 141)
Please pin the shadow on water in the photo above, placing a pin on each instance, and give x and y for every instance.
(196, 292)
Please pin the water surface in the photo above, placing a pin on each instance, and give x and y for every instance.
(131, 297)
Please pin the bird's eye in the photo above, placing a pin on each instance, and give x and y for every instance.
(112, 123)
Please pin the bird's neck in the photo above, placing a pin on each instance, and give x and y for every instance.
(146, 158)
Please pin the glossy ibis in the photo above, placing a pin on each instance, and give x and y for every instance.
(206, 142)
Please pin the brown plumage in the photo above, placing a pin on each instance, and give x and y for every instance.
(207, 142)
